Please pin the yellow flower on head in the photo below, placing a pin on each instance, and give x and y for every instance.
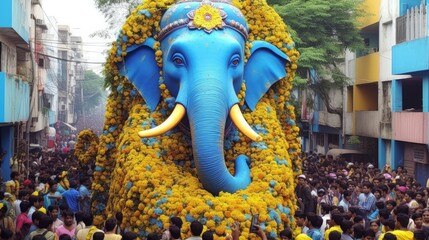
(208, 17)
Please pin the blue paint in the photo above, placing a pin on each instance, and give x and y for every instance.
(397, 154)
(129, 185)
(161, 201)
(158, 211)
(425, 92)
(396, 96)
(381, 153)
(6, 134)
(15, 14)
(189, 218)
(407, 4)
(14, 99)
(410, 56)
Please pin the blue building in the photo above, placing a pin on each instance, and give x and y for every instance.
(15, 78)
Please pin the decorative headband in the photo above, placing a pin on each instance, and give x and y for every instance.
(204, 15)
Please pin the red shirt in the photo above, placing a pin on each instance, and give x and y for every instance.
(23, 223)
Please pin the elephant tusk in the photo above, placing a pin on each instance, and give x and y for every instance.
(239, 121)
(174, 119)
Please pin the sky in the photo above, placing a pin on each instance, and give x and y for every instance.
(83, 19)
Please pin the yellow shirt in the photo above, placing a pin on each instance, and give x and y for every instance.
(331, 229)
(403, 234)
(400, 235)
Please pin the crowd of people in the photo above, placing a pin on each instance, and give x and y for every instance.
(341, 199)
(337, 199)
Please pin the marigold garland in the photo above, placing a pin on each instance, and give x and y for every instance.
(86, 147)
(150, 180)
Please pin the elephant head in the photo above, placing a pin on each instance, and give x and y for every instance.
(203, 66)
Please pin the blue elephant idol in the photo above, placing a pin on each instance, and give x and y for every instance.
(203, 52)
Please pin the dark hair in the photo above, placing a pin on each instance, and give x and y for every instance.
(119, 216)
(68, 213)
(367, 185)
(315, 220)
(38, 237)
(380, 204)
(73, 184)
(299, 214)
(152, 236)
(411, 193)
(174, 231)
(286, 233)
(358, 230)
(87, 218)
(403, 219)
(402, 208)
(384, 188)
(196, 228)
(346, 225)
(369, 233)
(384, 213)
(176, 221)
(129, 236)
(334, 235)
(33, 199)
(6, 234)
(79, 217)
(208, 235)
(390, 223)
(416, 215)
(64, 236)
(391, 202)
(357, 219)
(36, 216)
(389, 236)
(24, 206)
(52, 208)
(45, 221)
(110, 224)
(347, 193)
(14, 174)
(337, 218)
(98, 236)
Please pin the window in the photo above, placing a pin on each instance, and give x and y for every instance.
(412, 95)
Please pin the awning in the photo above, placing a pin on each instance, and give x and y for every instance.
(69, 126)
(337, 151)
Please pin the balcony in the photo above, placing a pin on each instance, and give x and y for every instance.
(15, 20)
(14, 99)
(411, 52)
(367, 123)
(367, 68)
(372, 8)
(411, 127)
(328, 119)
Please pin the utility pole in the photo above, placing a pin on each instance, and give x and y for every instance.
(82, 105)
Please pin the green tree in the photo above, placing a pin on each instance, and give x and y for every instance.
(322, 31)
(92, 95)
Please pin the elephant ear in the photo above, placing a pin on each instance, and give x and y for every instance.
(265, 67)
(140, 67)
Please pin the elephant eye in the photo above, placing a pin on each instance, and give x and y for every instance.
(178, 59)
(235, 61)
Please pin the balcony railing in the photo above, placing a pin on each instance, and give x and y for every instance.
(412, 25)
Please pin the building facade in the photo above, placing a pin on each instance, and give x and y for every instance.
(38, 65)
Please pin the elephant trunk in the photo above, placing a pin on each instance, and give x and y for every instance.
(207, 112)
